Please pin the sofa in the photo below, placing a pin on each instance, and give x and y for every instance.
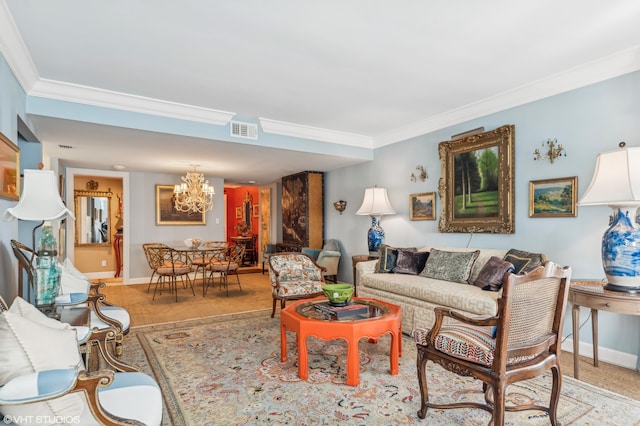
(466, 280)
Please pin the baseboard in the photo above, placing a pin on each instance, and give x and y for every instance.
(611, 356)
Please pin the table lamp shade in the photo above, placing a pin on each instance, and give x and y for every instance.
(40, 199)
(616, 183)
(375, 204)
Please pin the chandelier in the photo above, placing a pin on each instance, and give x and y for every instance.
(194, 194)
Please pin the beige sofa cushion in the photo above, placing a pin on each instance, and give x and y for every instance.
(464, 297)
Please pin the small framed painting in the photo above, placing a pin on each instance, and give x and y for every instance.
(166, 214)
(256, 210)
(10, 169)
(553, 197)
(422, 206)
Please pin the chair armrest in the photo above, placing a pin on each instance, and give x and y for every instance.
(39, 386)
(440, 313)
(367, 267)
(328, 253)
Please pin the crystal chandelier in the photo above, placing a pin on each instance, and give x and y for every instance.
(194, 194)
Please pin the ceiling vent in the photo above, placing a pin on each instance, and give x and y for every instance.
(244, 130)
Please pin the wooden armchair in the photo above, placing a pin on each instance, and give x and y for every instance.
(521, 342)
(294, 276)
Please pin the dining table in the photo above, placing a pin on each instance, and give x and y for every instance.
(199, 257)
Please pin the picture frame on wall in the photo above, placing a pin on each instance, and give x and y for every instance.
(477, 183)
(166, 214)
(239, 212)
(422, 206)
(9, 169)
(256, 210)
(553, 197)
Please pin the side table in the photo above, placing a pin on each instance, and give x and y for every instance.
(591, 294)
(354, 261)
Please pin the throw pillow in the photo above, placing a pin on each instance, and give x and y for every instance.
(450, 265)
(387, 256)
(410, 262)
(524, 261)
(27, 346)
(491, 274)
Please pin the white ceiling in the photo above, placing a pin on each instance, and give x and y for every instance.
(361, 73)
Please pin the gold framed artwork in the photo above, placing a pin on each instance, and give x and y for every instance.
(422, 206)
(553, 197)
(10, 169)
(166, 214)
(256, 210)
(477, 183)
(239, 212)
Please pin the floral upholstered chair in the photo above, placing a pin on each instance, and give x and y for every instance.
(294, 276)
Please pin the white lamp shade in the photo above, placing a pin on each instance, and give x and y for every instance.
(616, 180)
(40, 199)
(375, 203)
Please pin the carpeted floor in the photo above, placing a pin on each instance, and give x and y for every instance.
(236, 377)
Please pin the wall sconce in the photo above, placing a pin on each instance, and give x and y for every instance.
(552, 153)
(340, 205)
(422, 175)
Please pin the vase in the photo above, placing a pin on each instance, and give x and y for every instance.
(375, 236)
(621, 253)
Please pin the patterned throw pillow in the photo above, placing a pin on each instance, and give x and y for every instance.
(524, 261)
(387, 256)
(492, 273)
(410, 262)
(450, 265)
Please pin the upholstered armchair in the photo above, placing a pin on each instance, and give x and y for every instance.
(42, 374)
(269, 249)
(521, 342)
(328, 257)
(294, 276)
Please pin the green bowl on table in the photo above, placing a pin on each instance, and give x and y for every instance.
(338, 294)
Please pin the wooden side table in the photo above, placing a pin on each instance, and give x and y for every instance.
(592, 294)
(354, 261)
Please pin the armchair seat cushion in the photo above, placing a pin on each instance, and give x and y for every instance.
(470, 343)
(114, 312)
(133, 396)
(176, 269)
(298, 288)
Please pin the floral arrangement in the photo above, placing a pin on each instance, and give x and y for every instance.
(241, 227)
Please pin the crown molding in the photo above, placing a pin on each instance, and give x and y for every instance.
(315, 133)
(615, 65)
(50, 89)
(14, 51)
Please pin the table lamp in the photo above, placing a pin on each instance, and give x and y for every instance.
(375, 204)
(616, 183)
(39, 201)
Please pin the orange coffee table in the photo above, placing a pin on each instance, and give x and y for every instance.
(303, 319)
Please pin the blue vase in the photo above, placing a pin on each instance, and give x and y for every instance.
(621, 254)
(375, 236)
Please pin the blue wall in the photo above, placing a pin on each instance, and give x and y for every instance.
(586, 122)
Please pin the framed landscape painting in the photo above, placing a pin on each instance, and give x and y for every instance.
(166, 214)
(553, 197)
(422, 206)
(9, 169)
(476, 186)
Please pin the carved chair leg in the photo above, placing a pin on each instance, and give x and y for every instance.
(499, 396)
(555, 394)
(273, 311)
(421, 363)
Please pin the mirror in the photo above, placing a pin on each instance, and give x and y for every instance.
(246, 209)
(93, 224)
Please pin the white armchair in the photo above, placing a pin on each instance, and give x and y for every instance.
(328, 257)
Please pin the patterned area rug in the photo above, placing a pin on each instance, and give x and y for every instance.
(226, 370)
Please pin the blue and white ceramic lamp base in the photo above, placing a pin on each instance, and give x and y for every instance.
(621, 252)
(375, 237)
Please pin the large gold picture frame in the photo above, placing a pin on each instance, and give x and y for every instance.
(10, 169)
(166, 214)
(477, 183)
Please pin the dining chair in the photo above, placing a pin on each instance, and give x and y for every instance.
(232, 261)
(210, 250)
(153, 259)
(521, 342)
(175, 266)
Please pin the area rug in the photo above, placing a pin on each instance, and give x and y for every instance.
(226, 370)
